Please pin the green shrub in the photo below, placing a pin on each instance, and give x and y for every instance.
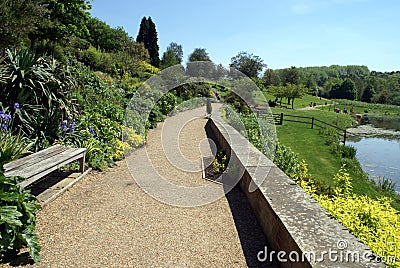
(17, 220)
(41, 88)
(12, 146)
(347, 151)
(385, 184)
(375, 222)
(220, 162)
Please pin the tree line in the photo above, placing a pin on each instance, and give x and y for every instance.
(351, 82)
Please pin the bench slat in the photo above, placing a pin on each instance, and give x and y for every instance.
(34, 158)
(43, 173)
(46, 164)
(37, 165)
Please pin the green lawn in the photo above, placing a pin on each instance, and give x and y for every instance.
(298, 103)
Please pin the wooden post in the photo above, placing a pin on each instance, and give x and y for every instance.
(82, 163)
(281, 120)
(344, 137)
(312, 122)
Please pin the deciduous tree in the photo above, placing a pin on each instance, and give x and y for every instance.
(199, 54)
(18, 19)
(247, 63)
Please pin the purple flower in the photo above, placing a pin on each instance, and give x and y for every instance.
(64, 126)
(70, 118)
(5, 117)
(92, 131)
(16, 106)
(3, 127)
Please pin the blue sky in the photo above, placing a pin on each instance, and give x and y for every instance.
(283, 33)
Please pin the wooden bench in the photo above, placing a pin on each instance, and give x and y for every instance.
(38, 165)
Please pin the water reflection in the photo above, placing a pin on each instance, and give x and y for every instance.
(378, 147)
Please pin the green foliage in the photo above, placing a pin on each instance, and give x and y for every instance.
(270, 78)
(103, 37)
(247, 63)
(199, 54)
(220, 162)
(19, 18)
(287, 160)
(290, 76)
(347, 151)
(17, 219)
(385, 185)
(12, 146)
(290, 91)
(173, 56)
(41, 87)
(168, 59)
(346, 90)
(374, 222)
(66, 18)
(97, 60)
(148, 36)
(368, 94)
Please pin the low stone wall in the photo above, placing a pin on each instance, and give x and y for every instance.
(294, 223)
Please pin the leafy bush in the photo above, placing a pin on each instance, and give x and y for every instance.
(17, 219)
(41, 88)
(12, 146)
(374, 222)
(347, 151)
(385, 184)
(97, 60)
(220, 162)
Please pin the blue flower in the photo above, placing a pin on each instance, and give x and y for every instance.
(3, 127)
(5, 117)
(92, 131)
(16, 106)
(64, 126)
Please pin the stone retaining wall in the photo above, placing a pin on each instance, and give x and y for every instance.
(293, 222)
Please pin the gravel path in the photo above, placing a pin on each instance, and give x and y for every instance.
(106, 220)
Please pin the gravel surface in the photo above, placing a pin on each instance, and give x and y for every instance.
(106, 220)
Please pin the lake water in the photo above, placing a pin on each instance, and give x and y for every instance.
(377, 142)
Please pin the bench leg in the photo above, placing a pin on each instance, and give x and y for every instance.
(82, 164)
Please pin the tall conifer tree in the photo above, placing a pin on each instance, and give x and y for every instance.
(148, 36)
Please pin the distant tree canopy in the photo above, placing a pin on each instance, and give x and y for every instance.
(248, 64)
(172, 56)
(289, 91)
(368, 94)
(102, 36)
(65, 18)
(199, 54)
(290, 76)
(178, 51)
(330, 82)
(270, 78)
(149, 37)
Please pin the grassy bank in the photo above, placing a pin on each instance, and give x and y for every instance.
(311, 146)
